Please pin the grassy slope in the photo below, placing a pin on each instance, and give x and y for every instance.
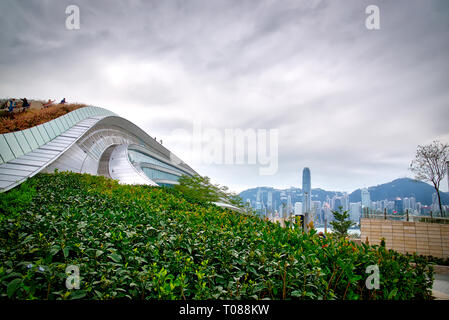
(10, 122)
(143, 242)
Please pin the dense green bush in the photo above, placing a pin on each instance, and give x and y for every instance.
(143, 242)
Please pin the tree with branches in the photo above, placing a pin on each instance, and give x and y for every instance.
(342, 223)
(430, 165)
(201, 189)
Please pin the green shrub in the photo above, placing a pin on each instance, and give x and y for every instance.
(142, 242)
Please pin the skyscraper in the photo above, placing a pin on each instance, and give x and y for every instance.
(258, 204)
(355, 211)
(306, 189)
(298, 208)
(270, 201)
(366, 200)
(289, 204)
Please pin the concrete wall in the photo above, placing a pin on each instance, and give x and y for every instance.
(422, 238)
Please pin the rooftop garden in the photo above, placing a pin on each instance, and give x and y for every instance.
(16, 121)
(142, 242)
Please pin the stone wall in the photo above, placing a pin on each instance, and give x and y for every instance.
(422, 238)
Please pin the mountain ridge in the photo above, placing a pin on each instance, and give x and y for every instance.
(401, 187)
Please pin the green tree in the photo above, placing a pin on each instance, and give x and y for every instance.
(200, 189)
(341, 224)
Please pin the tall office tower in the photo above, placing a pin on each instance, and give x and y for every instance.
(289, 204)
(418, 208)
(281, 211)
(366, 200)
(345, 201)
(306, 190)
(413, 203)
(270, 200)
(283, 196)
(355, 211)
(398, 205)
(327, 214)
(298, 208)
(406, 203)
(337, 203)
(258, 204)
(316, 211)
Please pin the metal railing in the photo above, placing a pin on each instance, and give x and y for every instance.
(406, 216)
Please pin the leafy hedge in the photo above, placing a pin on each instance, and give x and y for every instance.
(141, 242)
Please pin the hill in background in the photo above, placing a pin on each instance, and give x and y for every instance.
(403, 187)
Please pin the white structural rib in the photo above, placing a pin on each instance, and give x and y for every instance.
(16, 171)
(88, 140)
(121, 169)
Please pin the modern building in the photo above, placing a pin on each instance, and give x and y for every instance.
(316, 212)
(307, 190)
(398, 205)
(258, 202)
(289, 204)
(88, 140)
(355, 211)
(366, 200)
(270, 200)
(298, 208)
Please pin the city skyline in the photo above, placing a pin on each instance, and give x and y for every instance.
(320, 209)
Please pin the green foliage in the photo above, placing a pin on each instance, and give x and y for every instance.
(16, 201)
(430, 259)
(341, 224)
(141, 242)
(200, 190)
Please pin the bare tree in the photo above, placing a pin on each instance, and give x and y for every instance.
(430, 165)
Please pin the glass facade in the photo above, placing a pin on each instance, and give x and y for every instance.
(137, 156)
(154, 174)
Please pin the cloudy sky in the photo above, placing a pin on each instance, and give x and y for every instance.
(350, 103)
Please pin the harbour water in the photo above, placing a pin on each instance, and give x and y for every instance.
(350, 231)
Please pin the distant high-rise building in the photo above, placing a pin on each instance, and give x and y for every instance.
(398, 205)
(409, 204)
(345, 201)
(366, 200)
(258, 203)
(413, 203)
(316, 212)
(355, 210)
(289, 204)
(337, 203)
(307, 190)
(327, 213)
(283, 196)
(298, 208)
(435, 205)
(270, 200)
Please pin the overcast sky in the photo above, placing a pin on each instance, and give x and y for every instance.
(351, 104)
